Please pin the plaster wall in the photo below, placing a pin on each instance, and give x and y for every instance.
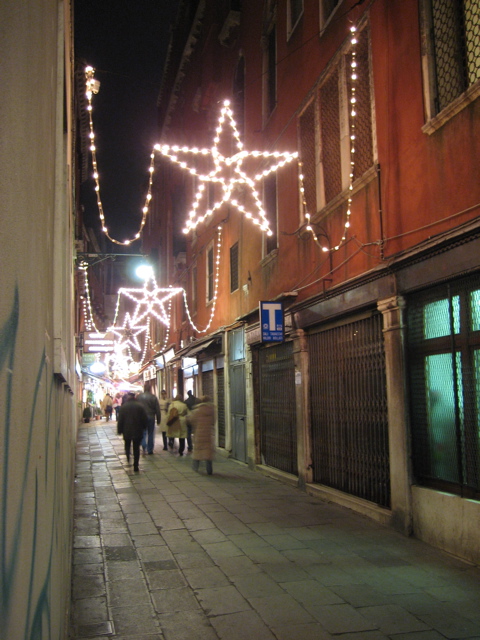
(37, 409)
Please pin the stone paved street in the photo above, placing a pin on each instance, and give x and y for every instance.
(172, 554)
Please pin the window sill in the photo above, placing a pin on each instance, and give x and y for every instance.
(342, 197)
(469, 96)
(269, 258)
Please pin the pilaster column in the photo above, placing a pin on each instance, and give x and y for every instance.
(392, 310)
(304, 457)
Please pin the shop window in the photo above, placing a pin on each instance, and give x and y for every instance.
(444, 371)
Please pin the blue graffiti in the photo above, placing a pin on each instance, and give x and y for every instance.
(38, 612)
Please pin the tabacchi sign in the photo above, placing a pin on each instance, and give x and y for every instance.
(271, 321)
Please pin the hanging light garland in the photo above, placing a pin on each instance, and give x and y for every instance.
(352, 114)
(93, 87)
(86, 301)
(228, 172)
(215, 288)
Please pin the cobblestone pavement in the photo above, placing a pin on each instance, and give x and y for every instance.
(172, 554)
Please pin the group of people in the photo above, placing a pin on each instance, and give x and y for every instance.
(176, 418)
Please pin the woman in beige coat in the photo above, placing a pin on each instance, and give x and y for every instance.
(177, 424)
(203, 422)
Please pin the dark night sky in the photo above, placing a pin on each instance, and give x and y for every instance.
(126, 43)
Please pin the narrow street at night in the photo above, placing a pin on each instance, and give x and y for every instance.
(171, 553)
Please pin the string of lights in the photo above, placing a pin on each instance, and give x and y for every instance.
(93, 86)
(86, 301)
(215, 288)
(352, 118)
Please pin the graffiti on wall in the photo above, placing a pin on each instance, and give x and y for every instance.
(31, 537)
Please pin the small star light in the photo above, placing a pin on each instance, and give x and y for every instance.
(119, 362)
(228, 172)
(128, 334)
(151, 301)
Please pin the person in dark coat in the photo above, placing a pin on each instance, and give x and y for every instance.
(191, 401)
(132, 422)
(152, 407)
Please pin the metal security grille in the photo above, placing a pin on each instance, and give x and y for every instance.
(444, 372)
(363, 107)
(456, 46)
(221, 407)
(207, 383)
(234, 267)
(277, 408)
(330, 132)
(349, 410)
(308, 158)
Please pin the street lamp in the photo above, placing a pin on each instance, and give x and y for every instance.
(144, 272)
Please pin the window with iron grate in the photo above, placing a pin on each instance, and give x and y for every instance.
(234, 267)
(444, 372)
(194, 289)
(294, 13)
(271, 209)
(327, 7)
(324, 129)
(210, 272)
(269, 44)
(452, 54)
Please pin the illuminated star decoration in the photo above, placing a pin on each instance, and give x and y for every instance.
(150, 301)
(228, 172)
(120, 363)
(128, 334)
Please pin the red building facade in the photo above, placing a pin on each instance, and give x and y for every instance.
(372, 398)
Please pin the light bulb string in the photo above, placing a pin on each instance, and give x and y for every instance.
(215, 288)
(352, 137)
(91, 88)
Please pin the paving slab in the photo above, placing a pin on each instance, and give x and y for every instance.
(171, 554)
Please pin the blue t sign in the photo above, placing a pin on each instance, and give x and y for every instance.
(271, 320)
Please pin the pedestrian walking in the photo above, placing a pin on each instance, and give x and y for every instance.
(152, 407)
(203, 422)
(117, 403)
(191, 401)
(177, 424)
(107, 406)
(164, 405)
(132, 422)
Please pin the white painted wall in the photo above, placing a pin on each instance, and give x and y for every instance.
(37, 413)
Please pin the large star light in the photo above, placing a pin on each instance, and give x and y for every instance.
(151, 301)
(228, 172)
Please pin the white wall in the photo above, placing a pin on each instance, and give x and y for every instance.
(37, 415)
